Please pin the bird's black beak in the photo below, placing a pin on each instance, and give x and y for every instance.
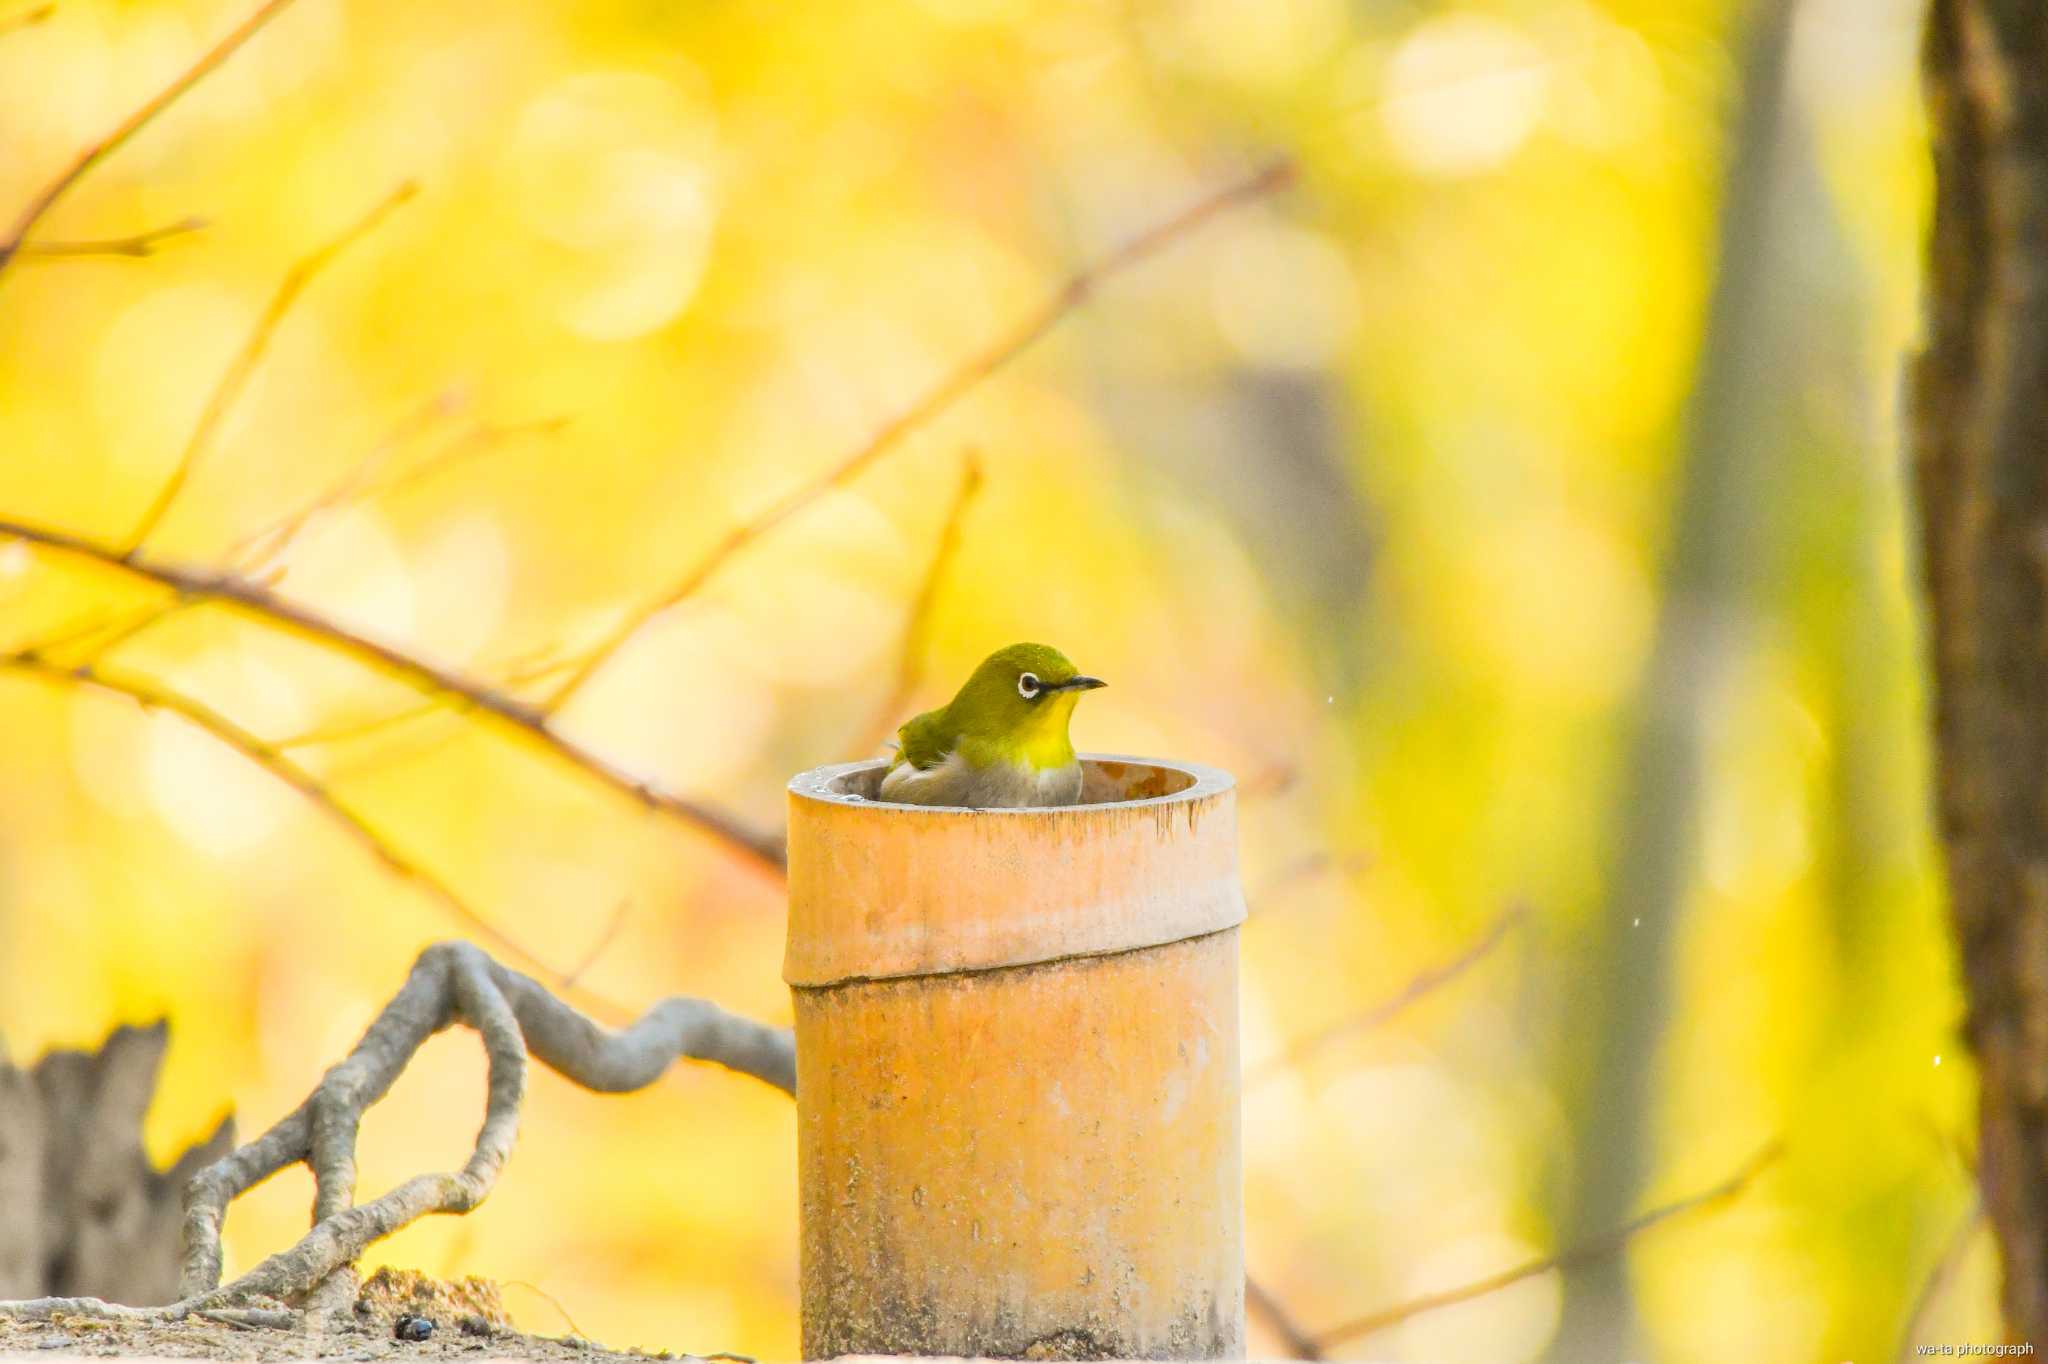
(1076, 684)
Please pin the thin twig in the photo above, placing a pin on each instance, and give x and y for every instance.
(1268, 782)
(139, 245)
(102, 629)
(1259, 1303)
(1312, 867)
(155, 696)
(236, 377)
(362, 483)
(910, 659)
(598, 948)
(1593, 1248)
(1307, 867)
(98, 151)
(484, 438)
(1947, 1139)
(552, 1301)
(258, 602)
(362, 726)
(28, 18)
(1416, 990)
(269, 541)
(91, 624)
(146, 619)
(935, 401)
(1939, 1275)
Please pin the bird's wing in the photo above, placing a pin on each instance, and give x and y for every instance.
(922, 741)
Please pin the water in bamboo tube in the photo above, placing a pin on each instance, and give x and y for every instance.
(1017, 1069)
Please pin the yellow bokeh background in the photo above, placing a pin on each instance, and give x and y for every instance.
(1361, 491)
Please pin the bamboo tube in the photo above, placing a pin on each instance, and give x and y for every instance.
(1017, 1069)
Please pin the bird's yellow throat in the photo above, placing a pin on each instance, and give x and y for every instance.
(1039, 743)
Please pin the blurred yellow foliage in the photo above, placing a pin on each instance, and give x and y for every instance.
(1369, 482)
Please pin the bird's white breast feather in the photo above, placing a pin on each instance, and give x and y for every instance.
(955, 781)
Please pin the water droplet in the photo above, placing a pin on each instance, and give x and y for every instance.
(1637, 924)
(1937, 1060)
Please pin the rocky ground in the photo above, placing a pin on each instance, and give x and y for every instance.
(397, 1316)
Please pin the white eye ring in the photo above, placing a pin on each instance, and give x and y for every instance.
(1027, 686)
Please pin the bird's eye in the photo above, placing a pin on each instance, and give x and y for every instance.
(1027, 686)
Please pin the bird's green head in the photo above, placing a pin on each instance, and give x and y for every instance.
(1017, 704)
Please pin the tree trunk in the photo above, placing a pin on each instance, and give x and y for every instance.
(1981, 431)
(1712, 577)
(82, 1213)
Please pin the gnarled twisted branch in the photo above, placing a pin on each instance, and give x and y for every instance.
(450, 983)
(514, 1014)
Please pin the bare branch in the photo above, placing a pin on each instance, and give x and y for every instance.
(236, 376)
(1312, 867)
(362, 726)
(1592, 1249)
(910, 659)
(97, 635)
(548, 1298)
(139, 245)
(28, 18)
(152, 695)
(1257, 1301)
(935, 401)
(1416, 990)
(1268, 782)
(450, 983)
(362, 483)
(256, 601)
(10, 247)
(146, 619)
(269, 541)
(1939, 1276)
(484, 438)
(598, 949)
(85, 627)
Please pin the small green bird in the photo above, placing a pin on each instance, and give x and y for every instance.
(1001, 742)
